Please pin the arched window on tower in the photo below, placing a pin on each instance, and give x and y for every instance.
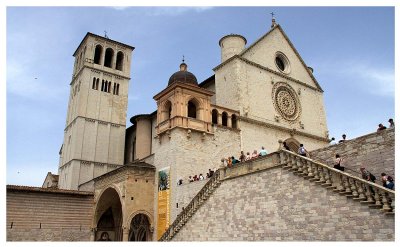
(214, 116)
(108, 57)
(120, 61)
(167, 110)
(97, 54)
(234, 121)
(224, 119)
(192, 109)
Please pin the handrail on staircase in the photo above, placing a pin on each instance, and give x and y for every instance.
(344, 183)
(193, 205)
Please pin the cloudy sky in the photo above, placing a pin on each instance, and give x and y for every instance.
(350, 48)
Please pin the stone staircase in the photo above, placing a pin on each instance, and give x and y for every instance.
(367, 193)
(192, 207)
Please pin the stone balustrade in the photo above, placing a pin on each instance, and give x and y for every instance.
(374, 195)
(368, 193)
(191, 208)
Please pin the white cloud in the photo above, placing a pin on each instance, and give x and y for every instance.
(21, 81)
(377, 81)
(120, 7)
(364, 75)
(133, 97)
(174, 11)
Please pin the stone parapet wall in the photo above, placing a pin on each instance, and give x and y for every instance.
(48, 216)
(186, 192)
(375, 151)
(274, 204)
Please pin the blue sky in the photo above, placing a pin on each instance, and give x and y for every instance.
(350, 48)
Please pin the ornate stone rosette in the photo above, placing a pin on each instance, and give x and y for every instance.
(285, 101)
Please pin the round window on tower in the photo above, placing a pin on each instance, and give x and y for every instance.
(282, 63)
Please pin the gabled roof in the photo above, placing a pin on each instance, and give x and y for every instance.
(240, 55)
(47, 190)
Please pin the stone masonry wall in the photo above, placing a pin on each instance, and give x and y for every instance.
(375, 151)
(46, 216)
(275, 204)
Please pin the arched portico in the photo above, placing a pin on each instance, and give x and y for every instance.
(108, 215)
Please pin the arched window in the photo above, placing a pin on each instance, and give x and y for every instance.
(120, 61)
(167, 111)
(225, 119)
(97, 54)
(214, 116)
(234, 121)
(94, 83)
(192, 109)
(109, 57)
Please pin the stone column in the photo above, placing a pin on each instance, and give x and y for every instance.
(125, 234)
(219, 122)
(92, 234)
(229, 121)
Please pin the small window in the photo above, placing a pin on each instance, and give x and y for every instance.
(166, 111)
(192, 110)
(94, 83)
(103, 83)
(109, 87)
(214, 116)
(97, 84)
(120, 61)
(97, 54)
(108, 57)
(234, 121)
(282, 63)
(116, 88)
(224, 119)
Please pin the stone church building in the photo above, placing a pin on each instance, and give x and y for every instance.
(130, 183)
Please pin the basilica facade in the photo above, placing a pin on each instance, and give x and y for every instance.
(260, 95)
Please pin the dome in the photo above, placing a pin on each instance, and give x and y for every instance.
(183, 76)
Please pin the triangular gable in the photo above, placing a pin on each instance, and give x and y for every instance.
(246, 53)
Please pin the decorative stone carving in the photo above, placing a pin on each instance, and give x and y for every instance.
(285, 101)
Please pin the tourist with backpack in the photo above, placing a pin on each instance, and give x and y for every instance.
(365, 174)
(338, 163)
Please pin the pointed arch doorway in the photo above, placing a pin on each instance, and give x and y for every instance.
(140, 228)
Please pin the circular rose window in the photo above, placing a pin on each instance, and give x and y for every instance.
(285, 101)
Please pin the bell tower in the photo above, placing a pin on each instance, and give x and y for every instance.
(94, 135)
